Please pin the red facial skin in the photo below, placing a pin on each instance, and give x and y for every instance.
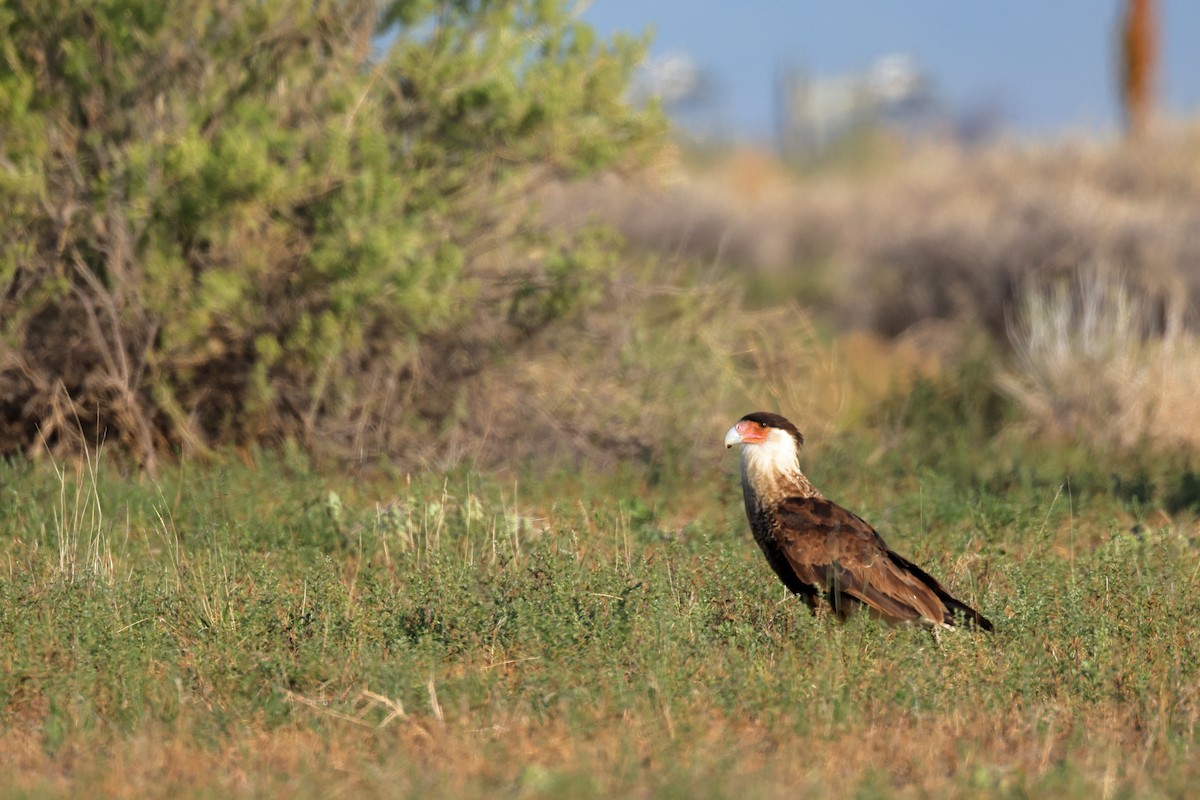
(752, 432)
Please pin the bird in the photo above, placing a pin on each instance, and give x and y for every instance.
(818, 548)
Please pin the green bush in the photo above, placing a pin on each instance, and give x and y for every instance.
(248, 223)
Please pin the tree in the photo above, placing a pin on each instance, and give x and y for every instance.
(232, 223)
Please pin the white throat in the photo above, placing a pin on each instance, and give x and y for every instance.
(771, 468)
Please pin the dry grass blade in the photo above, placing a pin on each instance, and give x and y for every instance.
(366, 703)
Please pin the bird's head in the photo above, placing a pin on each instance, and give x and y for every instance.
(770, 455)
(767, 439)
(764, 428)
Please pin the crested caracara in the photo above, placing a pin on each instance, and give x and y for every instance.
(817, 547)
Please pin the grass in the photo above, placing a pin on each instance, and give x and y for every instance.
(273, 631)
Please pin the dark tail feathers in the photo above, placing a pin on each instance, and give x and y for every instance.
(957, 612)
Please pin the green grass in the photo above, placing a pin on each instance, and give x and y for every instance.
(273, 631)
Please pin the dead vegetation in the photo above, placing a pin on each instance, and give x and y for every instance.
(938, 242)
(1099, 361)
(934, 234)
(969, 753)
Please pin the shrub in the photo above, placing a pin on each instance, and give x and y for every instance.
(230, 223)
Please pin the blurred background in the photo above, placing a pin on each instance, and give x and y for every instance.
(966, 70)
(930, 186)
(538, 233)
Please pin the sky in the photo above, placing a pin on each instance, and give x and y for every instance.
(1048, 64)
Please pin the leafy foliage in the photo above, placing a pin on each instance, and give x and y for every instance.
(233, 223)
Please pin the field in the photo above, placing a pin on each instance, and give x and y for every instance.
(275, 630)
(361, 407)
(558, 596)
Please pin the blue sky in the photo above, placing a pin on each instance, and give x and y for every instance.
(1049, 63)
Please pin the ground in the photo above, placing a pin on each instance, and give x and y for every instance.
(274, 630)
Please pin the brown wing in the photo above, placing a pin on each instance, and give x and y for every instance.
(836, 549)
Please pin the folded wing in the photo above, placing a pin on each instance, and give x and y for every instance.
(836, 550)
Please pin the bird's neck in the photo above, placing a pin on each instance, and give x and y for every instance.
(771, 480)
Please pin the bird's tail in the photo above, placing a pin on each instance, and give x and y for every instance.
(957, 612)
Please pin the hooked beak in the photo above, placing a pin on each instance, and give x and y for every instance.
(732, 437)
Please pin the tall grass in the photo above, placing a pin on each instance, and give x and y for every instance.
(82, 531)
